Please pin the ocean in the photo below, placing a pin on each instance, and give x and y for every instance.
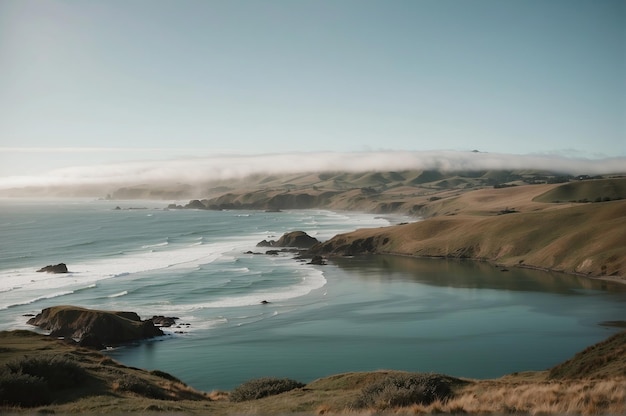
(355, 314)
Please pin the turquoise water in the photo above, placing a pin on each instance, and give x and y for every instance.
(355, 314)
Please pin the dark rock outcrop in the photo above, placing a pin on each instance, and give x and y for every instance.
(318, 260)
(94, 327)
(341, 245)
(56, 268)
(163, 321)
(91, 341)
(195, 204)
(297, 239)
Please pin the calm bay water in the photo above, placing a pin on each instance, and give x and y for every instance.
(462, 318)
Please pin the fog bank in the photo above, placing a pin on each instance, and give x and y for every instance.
(223, 167)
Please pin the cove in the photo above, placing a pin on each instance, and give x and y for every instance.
(463, 318)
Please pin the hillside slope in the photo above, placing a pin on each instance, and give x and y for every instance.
(606, 358)
(587, 191)
(509, 227)
(409, 192)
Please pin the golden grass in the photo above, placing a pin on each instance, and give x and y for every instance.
(585, 239)
(580, 397)
(606, 358)
(588, 190)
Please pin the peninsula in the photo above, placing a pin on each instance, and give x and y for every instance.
(510, 218)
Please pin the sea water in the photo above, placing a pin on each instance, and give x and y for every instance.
(355, 314)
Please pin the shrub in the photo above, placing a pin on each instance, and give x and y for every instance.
(405, 389)
(24, 390)
(58, 372)
(141, 387)
(263, 387)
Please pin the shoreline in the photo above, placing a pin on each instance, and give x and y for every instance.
(582, 240)
(333, 392)
(590, 382)
(613, 279)
(222, 406)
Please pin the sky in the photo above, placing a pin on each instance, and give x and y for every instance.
(117, 82)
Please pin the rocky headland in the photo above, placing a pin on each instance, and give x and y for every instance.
(95, 328)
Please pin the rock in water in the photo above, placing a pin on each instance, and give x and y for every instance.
(57, 268)
(195, 204)
(107, 327)
(266, 243)
(298, 239)
(163, 321)
(318, 260)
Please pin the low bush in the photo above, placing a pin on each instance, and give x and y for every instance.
(263, 387)
(24, 390)
(58, 371)
(405, 389)
(128, 383)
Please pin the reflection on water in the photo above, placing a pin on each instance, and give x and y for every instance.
(470, 274)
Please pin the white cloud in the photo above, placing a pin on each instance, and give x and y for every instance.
(218, 167)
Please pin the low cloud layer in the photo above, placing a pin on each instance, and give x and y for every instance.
(222, 167)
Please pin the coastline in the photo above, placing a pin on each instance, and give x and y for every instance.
(303, 401)
(613, 279)
(591, 382)
(581, 240)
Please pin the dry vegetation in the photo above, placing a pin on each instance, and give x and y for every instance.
(512, 218)
(508, 226)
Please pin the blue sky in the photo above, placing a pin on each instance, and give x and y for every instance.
(86, 82)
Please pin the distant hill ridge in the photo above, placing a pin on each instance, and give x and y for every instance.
(599, 190)
(407, 192)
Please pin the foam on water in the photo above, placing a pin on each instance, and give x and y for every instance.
(38, 298)
(156, 245)
(14, 284)
(312, 280)
(183, 263)
(117, 295)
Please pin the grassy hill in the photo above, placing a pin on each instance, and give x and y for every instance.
(409, 192)
(597, 190)
(507, 226)
(606, 358)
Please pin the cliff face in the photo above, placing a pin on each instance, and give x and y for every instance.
(109, 328)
